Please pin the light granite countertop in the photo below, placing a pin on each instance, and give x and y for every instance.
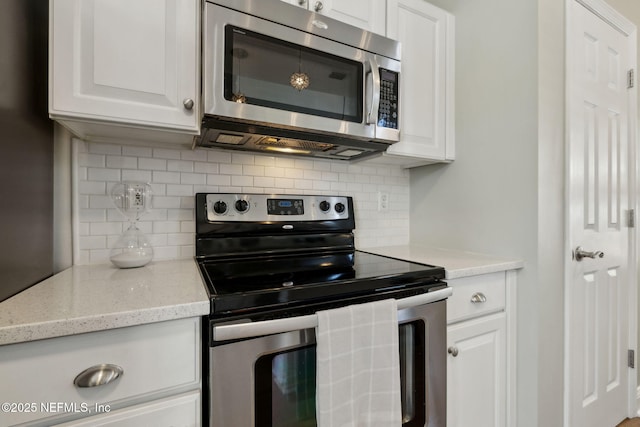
(99, 297)
(457, 264)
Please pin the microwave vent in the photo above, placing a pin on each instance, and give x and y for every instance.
(295, 143)
(224, 138)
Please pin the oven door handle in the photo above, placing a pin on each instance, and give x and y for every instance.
(289, 324)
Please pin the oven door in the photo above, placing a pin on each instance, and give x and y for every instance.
(270, 381)
(260, 72)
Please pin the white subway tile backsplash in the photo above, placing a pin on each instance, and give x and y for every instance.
(217, 156)
(242, 181)
(152, 164)
(136, 151)
(122, 162)
(162, 153)
(91, 160)
(231, 169)
(218, 180)
(205, 168)
(180, 165)
(103, 174)
(177, 174)
(166, 177)
(98, 148)
(136, 175)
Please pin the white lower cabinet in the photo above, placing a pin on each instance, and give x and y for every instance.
(481, 351)
(158, 381)
(182, 410)
(475, 375)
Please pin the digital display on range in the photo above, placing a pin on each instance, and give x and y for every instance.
(285, 207)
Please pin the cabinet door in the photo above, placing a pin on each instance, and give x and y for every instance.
(426, 99)
(127, 62)
(181, 410)
(366, 14)
(476, 372)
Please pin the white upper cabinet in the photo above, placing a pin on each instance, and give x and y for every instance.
(130, 63)
(426, 83)
(366, 14)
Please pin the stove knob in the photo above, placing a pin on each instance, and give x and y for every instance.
(324, 206)
(220, 207)
(339, 207)
(242, 205)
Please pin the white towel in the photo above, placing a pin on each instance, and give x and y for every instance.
(358, 370)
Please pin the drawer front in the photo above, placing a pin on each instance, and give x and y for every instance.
(157, 357)
(183, 410)
(475, 296)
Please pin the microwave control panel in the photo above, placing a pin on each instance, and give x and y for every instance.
(388, 110)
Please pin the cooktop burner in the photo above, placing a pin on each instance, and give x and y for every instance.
(269, 254)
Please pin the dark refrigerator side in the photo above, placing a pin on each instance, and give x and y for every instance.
(26, 147)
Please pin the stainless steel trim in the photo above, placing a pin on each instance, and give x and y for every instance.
(300, 18)
(268, 327)
(98, 375)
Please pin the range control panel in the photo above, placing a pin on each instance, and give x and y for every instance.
(275, 207)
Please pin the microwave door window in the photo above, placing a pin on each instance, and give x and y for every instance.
(269, 72)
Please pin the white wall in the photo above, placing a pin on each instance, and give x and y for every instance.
(176, 174)
(490, 200)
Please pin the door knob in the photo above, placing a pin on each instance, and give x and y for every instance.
(453, 350)
(318, 6)
(579, 254)
(188, 103)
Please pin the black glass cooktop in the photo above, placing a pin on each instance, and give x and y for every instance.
(247, 285)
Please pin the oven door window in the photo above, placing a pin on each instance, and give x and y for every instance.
(286, 383)
(269, 72)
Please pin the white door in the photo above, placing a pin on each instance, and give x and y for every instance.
(601, 123)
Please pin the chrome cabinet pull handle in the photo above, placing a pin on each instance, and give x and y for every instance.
(98, 375)
(318, 6)
(302, 2)
(453, 350)
(579, 254)
(478, 297)
(188, 103)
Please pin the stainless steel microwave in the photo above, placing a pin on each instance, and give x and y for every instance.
(281, 79)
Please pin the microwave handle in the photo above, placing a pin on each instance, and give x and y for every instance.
(289, 324)
(372, 87)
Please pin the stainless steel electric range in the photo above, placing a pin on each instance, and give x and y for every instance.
(269, 263)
